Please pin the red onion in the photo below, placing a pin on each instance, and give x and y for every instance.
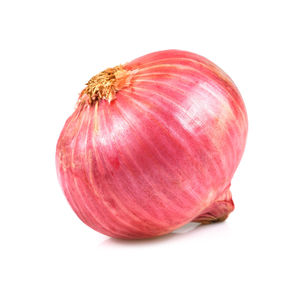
(152, 145)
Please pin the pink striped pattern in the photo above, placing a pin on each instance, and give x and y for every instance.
(161, 155)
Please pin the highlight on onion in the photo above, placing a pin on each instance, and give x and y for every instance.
(152, 145)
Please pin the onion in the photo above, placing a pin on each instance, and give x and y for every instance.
(152, 145)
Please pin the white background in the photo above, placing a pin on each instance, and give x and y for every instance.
(49, 49)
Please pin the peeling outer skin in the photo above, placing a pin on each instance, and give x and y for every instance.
(219, 210)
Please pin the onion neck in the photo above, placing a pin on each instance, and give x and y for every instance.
(105, 85)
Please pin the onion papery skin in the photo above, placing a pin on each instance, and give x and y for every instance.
(161, 154)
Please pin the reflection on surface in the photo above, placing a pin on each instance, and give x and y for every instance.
(187, 232)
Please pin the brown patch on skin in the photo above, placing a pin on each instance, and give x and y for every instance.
(213, 220)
